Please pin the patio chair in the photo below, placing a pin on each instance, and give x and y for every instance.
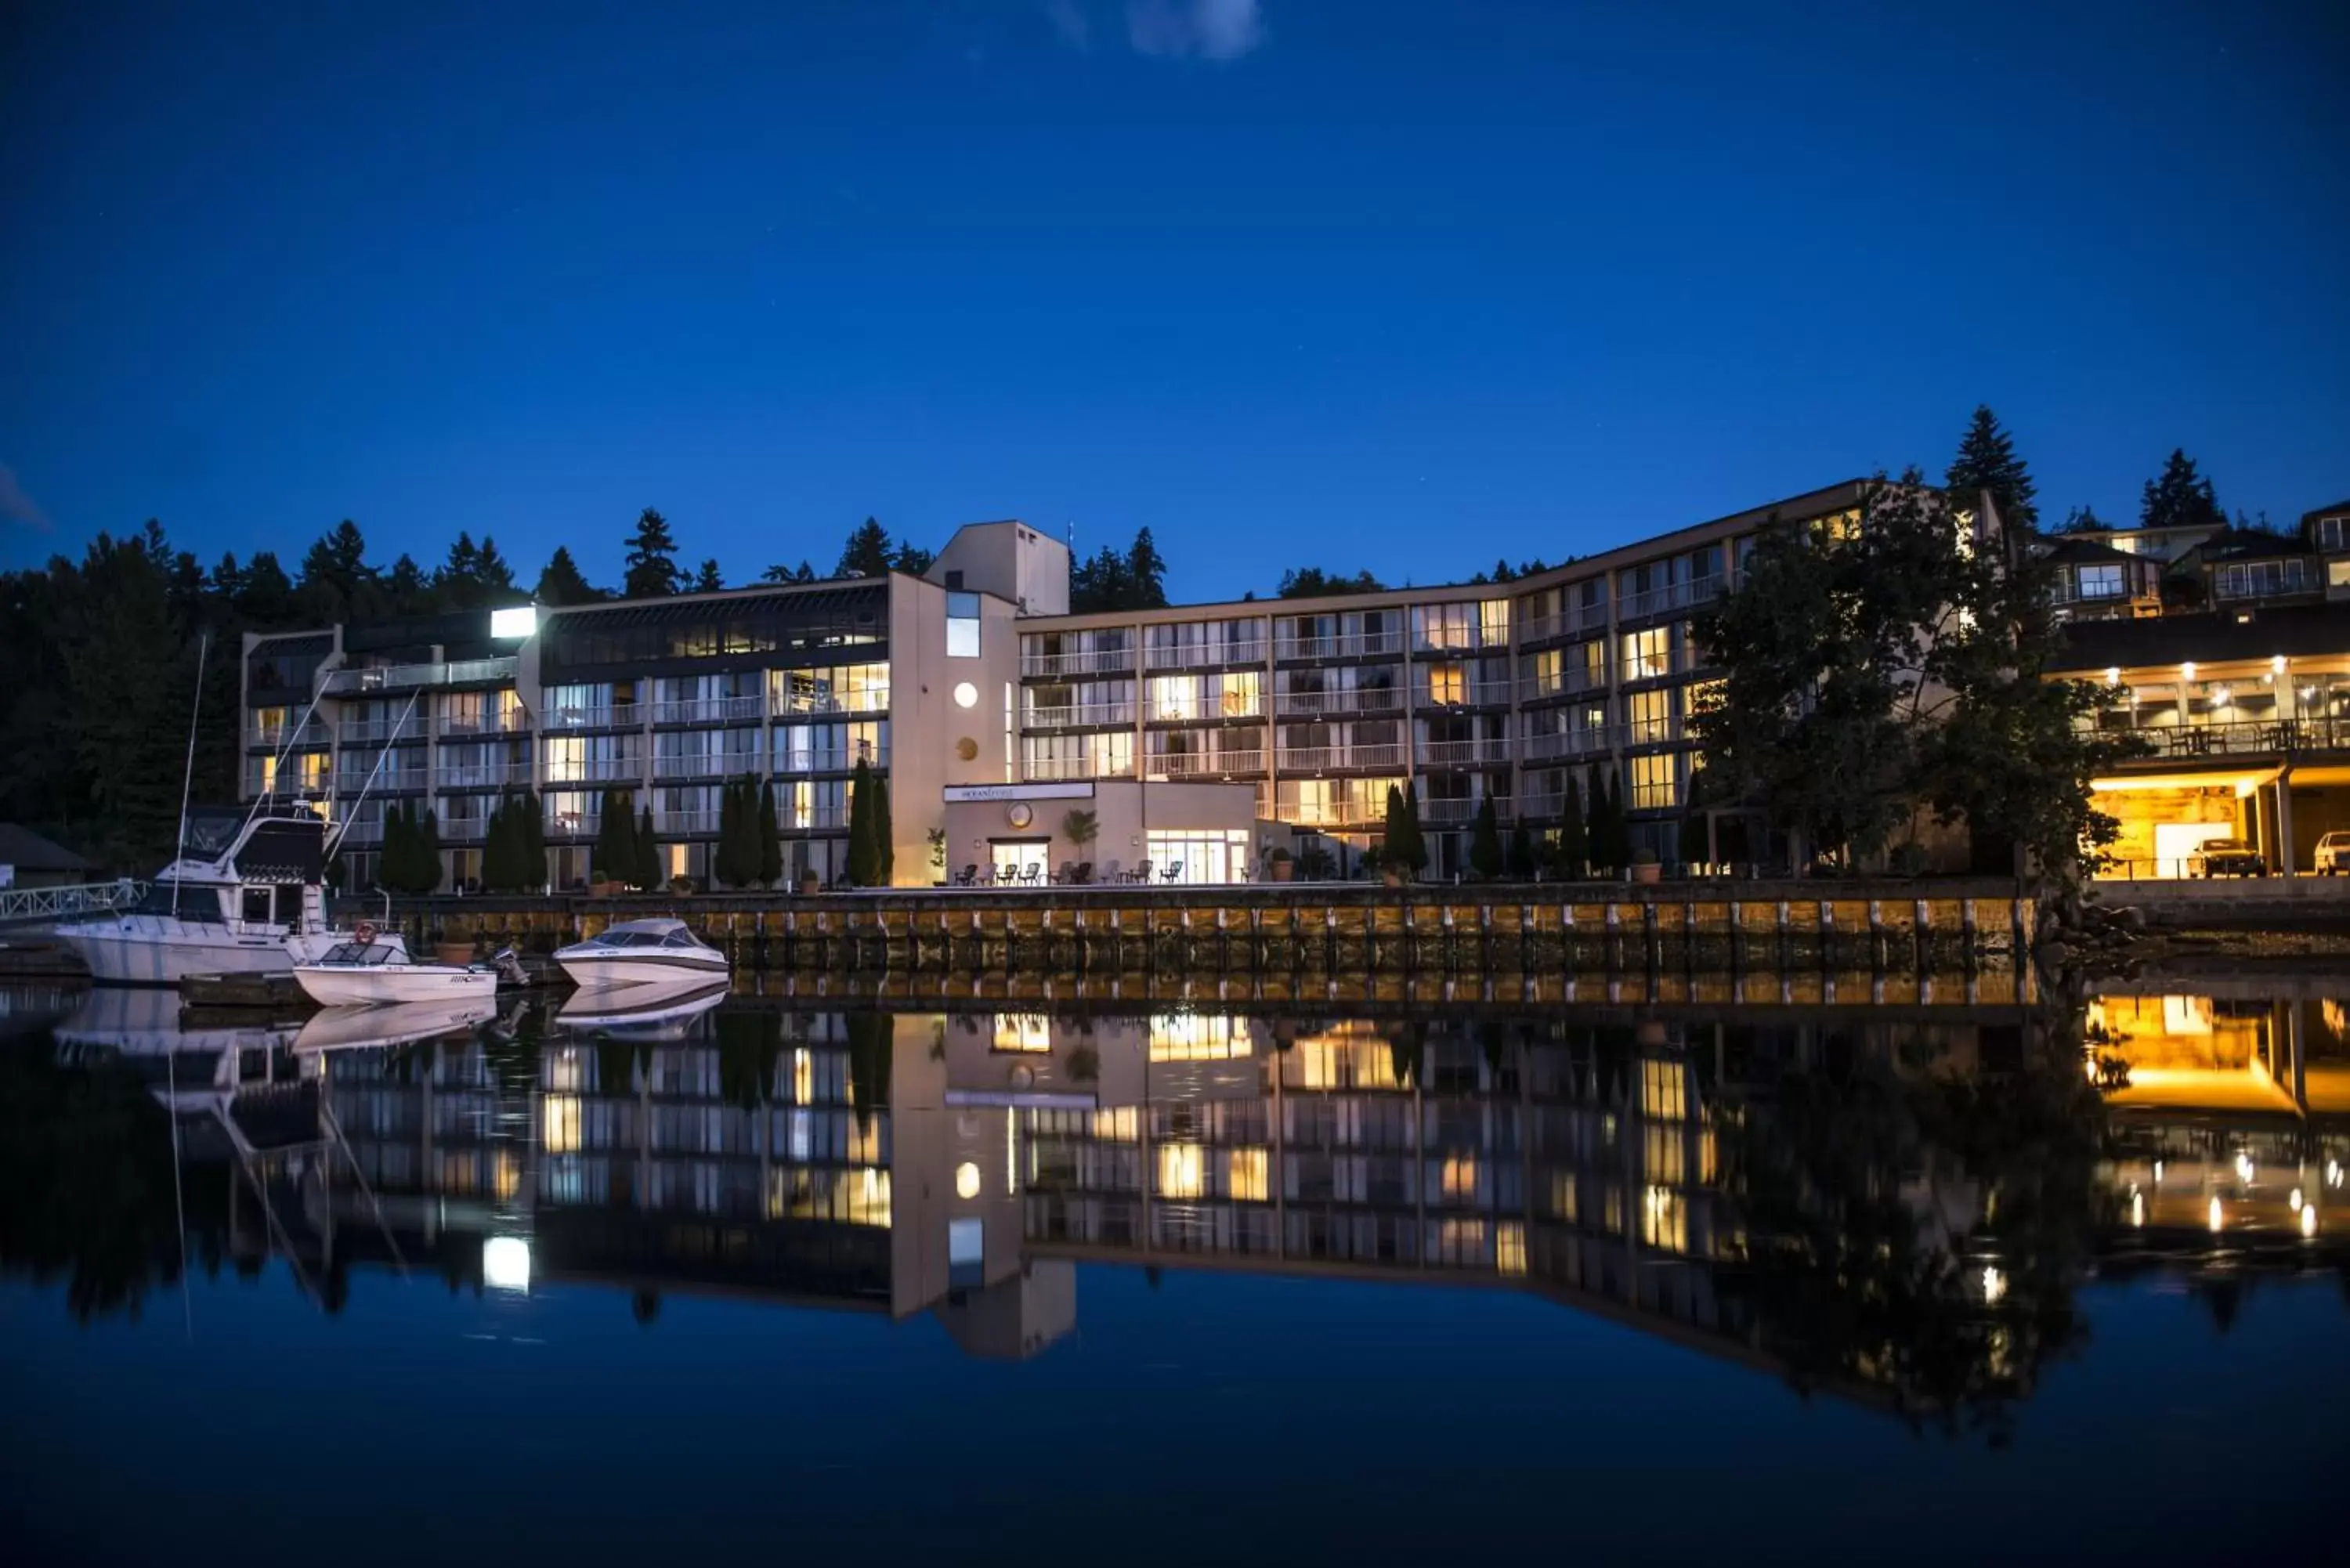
(969, 876)
(1141, 872)
(1084, 873)
(1174, 872)
(1035, 875)
(1065, 875)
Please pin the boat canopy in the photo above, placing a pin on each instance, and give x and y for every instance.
(364, 954)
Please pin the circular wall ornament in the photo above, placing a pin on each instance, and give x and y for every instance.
(1018, 814)
(966, 1180)
(967, 749)
(966, 695)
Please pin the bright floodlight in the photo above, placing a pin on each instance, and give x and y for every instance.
(506, 1263)
(520, 621)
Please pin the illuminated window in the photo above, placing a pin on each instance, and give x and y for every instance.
(802, 1076)
(1650, 716)
(563, 1070)
(1664, 1219)
(962, 626)
(1662, 1096)
(1493, 623)
(2101, 582)
(1661, 1154)
(1648, 654)
(1022, 1031)
(1544, 673)
(1179, 1170)
(1509, 1247)
(1247, 1181)
(1448, 683)
(560, 1124)
(1654, 784)
(2337, 574)
(1459, 1180)
(1198, 1037)
(1565, 1196)
(1121, 1125)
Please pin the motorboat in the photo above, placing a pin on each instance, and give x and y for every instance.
(658, 1018)
(643, 954)
(394, 1024)
(244, 896)
(379, 973)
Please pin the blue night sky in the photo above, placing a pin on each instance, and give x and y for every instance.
(1363, 284)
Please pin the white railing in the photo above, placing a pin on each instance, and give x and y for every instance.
(462, 829)
(830, 762)
(1579, 621)
(1360, 699)
(411, 728)
(408, 677)
(1338, 645)
(278, 737)
(607, 716)
(1208, 764)
(688, 821)
(801, 704)
(710, 710)
(1338, 759)
(1072, 715)
(351, 781)
(1090, 661)
(488, 722)
(1448, 812)
(1463, 753)
(481, 775)
(364, 830)
(1208, 710)
(18, 904)
(1695, 593)
(1204, 655)
(1055, 770)
(595, 770)
(707, 764)
(1475, 694)
(1569, 744)
(1339, 813)
(574, 823)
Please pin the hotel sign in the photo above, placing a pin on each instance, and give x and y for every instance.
(958, 794)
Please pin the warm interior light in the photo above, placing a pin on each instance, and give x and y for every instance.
(2217, 1215)
(506, 1263)
(2277, 664)
(2293, 1202)
(2309, 1220)
(966, 1180)
(2113, 675)
(2187, 670)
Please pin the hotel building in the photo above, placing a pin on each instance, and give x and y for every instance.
(1198, 735)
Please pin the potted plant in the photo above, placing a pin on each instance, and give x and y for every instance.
(938, 841)
(1644, 865)
(447, 949)
(681, 886)
(809, 884)
(1081, 828)
(1280, 865)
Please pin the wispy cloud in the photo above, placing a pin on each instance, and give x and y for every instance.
(1069, 24)
(15, 507)
(1178, 29)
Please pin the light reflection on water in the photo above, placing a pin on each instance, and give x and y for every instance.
(1896, 1207)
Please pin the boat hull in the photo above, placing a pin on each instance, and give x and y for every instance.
(168, 954)
(382, 985)
(614, 969)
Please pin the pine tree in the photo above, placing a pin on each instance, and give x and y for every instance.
(861, 868)
(708, 579)
(1573, 849)
(885, 848)
(613, 857)
(390, 855)
(1485, 841)
(534, 841)
(561, 583)
(1418, 837)
(650, 873)
(1146, 574)
(771, 842)
(1520, 859)
(1395, 835)
(728, 863)
(910, 559)
(491, 570)
(428, 854)
(1987, 460)
(866, 554)
(459, 580)
(495, 859)
(652, 560)
(2181, 498)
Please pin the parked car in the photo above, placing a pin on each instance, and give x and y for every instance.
(2232, 858)
(2333, 853)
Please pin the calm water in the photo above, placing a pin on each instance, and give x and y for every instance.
(1777, 1282)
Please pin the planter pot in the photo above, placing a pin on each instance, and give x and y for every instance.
(809, 886)
(1646, 873)
(602, 889)
(1391, 878)
(1284, 869)
(453, 952)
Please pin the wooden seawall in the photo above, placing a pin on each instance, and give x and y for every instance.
(1515, 928)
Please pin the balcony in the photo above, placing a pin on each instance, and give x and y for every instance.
(815, 819)
(1543, 806)
(1092, 662)
(380, 732)
(1342, 813)
(595, 770)
(286, 782)
(1230, 709)
(810, 704)
(1475, 694)
(1578, 682)
(462, 829)
(279, 737)
(1340, 759)
(481, 775)
(573, 824)
(411, 677)
(364, 830)
(1464, 753)
(1672, 597)
(830, 762)
(488, 722)
(1570, 744)
(1078, 716)
(1358, 700)
(686, 821)
(1580, 621)
(711, 710)
(386, 780)
(1206, 655)
(611, 716)
(1455, 812)
(1344, 645)
(1205, 765)
(707, 765)
(1652, 731)
(1058, 770)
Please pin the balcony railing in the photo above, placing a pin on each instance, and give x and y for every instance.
(1205, 655)
(1342, 813)
(1580, 621)
(1213, 710)
(574, 823)
(1338, 645)
(1576, 682)
(1463, 753)
(364, 830)
(481, 775)
(707, 765)
(608, 716)
(1569, 744)
(408, 677)
(1693, 593)
(351, 781)
(1447, 813)
(1077, 715)
(1089, 661)
(1205, 765)
(462, 829)
(1546, 803)
(376, 731)
(1652, 731)
(1340, 759)
(830, 762)
(686, 821)
(1359, 699)
(1052, 770)
(595, 770)
(277, 737)
(2270, 738)
(488, 721)
(816, 819)
(288, 782)
(711, 710)
(806, 704)
(1475, 694)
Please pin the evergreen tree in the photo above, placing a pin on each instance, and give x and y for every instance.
(2181, 497)
(494, 574)
(1986, 460)
(613, 856)
(459, 581)
(497, 859)
(390, 857)
(1313, 582)
(428, 854)
(1395, 832)
(651, 562)
(336, 583)
(651, 871)
(771, 842)
(534, 841)
(561, 585)
(1485, 842)
(1521, 854)
(727, 864)
(885, 847)
(866, 554)
(861, 868)
(1573, 854)
(1146, 574)
(1415, 838)
(708, 579)
(2081, 520)
(407, 591)
(910, 559)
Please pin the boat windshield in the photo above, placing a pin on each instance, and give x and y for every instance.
(369, 954)
(681, 940)
(617, 939)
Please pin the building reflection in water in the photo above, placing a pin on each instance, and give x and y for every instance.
(1895, 1203)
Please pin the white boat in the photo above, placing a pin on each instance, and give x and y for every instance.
(245, 897)
(380, 973)
(639, 1013)
(400, 1024)
(643, 954)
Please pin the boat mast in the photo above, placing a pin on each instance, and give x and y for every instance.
(187, 777)
(344, 818)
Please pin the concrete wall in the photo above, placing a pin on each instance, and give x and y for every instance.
(1011, 560)
(1126, 813)
(935, 740)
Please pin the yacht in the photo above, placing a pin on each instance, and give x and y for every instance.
(373, 971)
(245, 896)
(643, 953)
